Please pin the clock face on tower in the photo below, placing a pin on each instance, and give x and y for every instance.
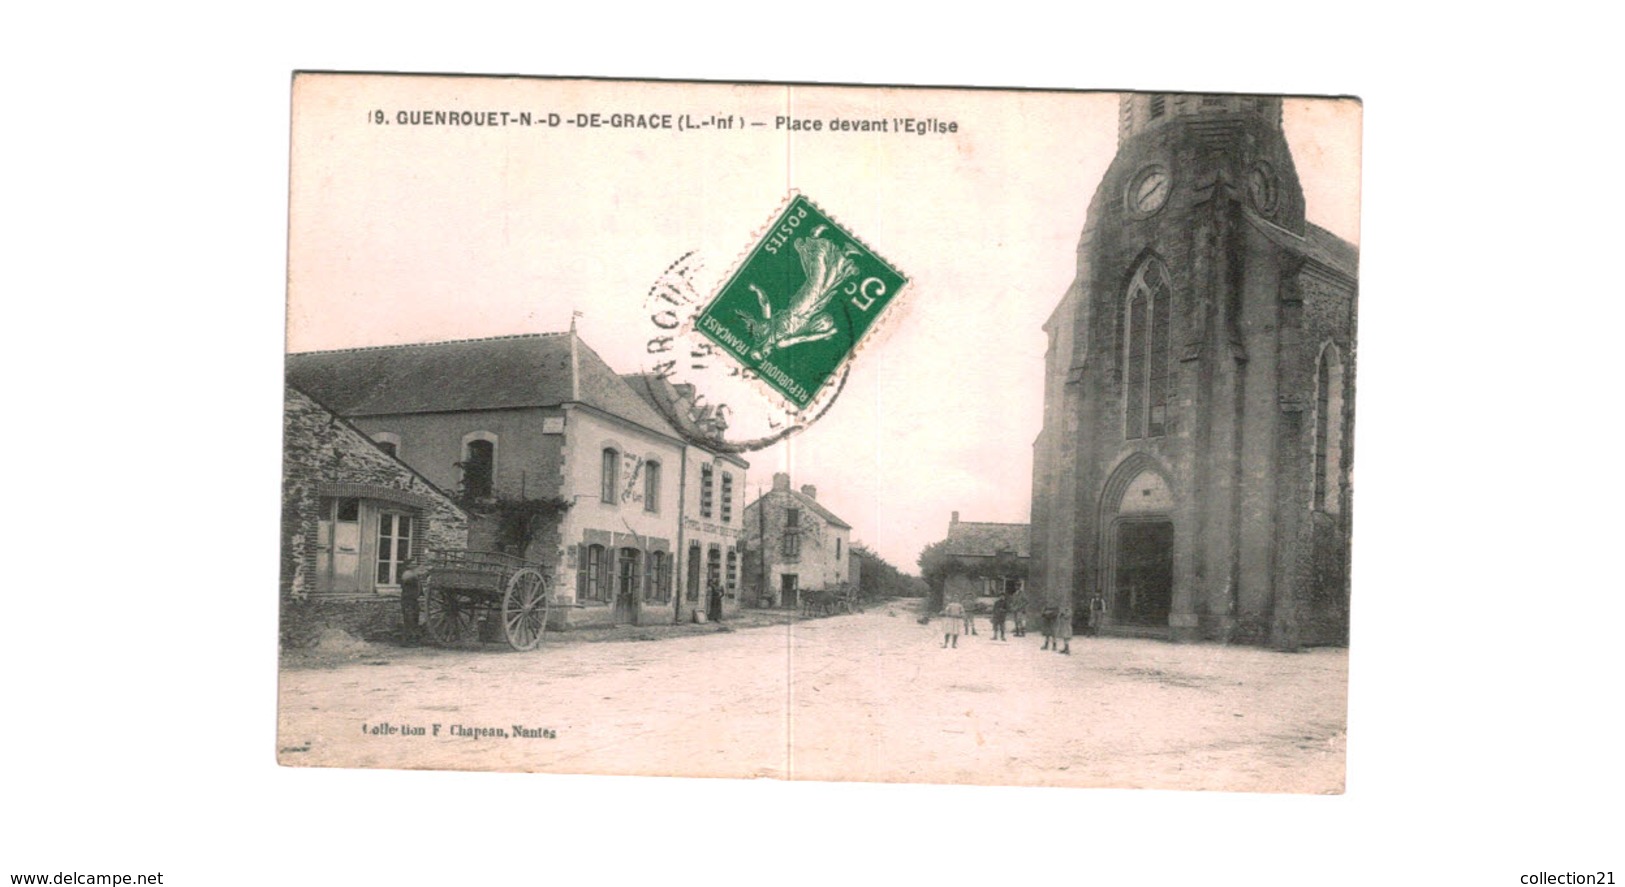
(1148, 190)
(1261, 188)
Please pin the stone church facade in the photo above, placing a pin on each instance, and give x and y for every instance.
(1193, 469)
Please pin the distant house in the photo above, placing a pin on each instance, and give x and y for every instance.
(637, 508)
(989, 559)
(352, 513)
(794, 543)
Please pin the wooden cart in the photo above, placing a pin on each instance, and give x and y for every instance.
(463, 586)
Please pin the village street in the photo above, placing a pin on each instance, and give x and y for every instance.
(870, 697)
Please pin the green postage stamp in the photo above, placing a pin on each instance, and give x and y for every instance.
(800, 302)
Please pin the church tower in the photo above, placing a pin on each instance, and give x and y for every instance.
(1192, 473)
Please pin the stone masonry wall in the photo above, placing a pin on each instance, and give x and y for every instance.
(319, 447)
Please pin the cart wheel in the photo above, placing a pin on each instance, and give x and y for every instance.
(448, 617)
(524, 609)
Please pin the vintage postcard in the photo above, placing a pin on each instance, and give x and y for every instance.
(887, 434)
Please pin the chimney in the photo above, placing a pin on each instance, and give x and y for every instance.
(955, 519)
(781, 482)
(810, 491)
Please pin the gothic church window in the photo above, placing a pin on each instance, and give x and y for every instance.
(1329, 415)
(1147, 316)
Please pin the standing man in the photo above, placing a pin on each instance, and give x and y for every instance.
(412, 573)
(1097, 614)
(713, 602)
(1018, 608)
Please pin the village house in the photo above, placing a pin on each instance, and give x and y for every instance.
(794, 544)
(557, 458)
(714, 486)
(987, 559)
(352, 514)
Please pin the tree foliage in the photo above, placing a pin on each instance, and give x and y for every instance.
(879, 578)
(937, 565)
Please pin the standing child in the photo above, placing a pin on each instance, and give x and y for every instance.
(953, 616)
(1063, 629)
(1001, 608)
(1018, 606)
(1046, 624)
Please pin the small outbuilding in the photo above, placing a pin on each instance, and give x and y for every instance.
(352, 515)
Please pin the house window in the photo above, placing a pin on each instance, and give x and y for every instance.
(792, 533)
(727, 497)
(479, 465)
(626, 572)
(394, 546)
(592, 583)
(733, 572)
(1147, 316)
(713, 568)
(1329, 415)
(706, 474)
(660, 574)
(651, 486)
(389, 442)
(837, 548)
(610, 481)
(1158, 105)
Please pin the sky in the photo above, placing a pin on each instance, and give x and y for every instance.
(403, 232)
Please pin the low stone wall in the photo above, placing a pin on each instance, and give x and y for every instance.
(374, 618)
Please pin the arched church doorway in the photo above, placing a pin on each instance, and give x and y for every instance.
(1143, 586)
(1137, 575)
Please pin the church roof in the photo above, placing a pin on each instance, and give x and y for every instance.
(1316, 244)
(472, 374)
(1344, 255)
(979, 539)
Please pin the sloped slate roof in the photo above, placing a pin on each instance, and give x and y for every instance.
(812, 505)
(1344, 255)
(804, 501)
(975, 539)
(472, 374)
(294, 399)
(658, 392)
(1317, 244)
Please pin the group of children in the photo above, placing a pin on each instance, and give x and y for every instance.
(1054, 622)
